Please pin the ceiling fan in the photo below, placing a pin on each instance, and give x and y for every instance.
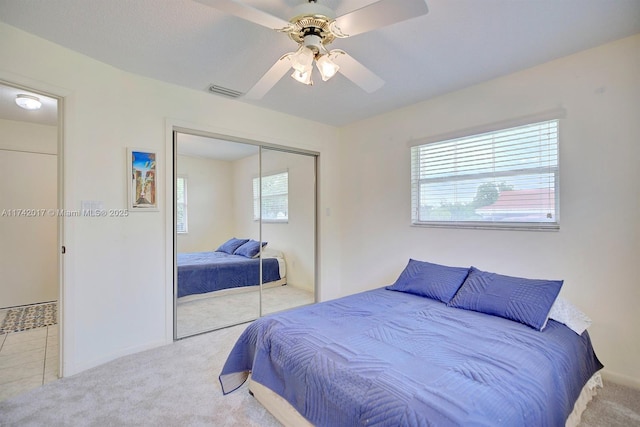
(313, 27)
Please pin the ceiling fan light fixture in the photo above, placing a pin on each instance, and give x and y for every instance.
(326, 67)
(312, 28)
(28, 102)
(303, 76)
(302, 59)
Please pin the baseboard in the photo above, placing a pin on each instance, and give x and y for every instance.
(78, 368)
(624, 380)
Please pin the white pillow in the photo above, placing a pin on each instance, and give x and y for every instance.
(270, 253)
(564, 312)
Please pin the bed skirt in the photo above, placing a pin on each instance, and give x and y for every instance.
(587, 393)
(289, 417)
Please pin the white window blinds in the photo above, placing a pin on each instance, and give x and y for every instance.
(501, 179)
(275, 197)
(181, 204)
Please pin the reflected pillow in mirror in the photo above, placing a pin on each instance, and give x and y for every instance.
(231, 245)
(249, 249)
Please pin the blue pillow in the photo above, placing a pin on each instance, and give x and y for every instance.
(250, 249)
(231, 245)
(526, 301)
(433, 281)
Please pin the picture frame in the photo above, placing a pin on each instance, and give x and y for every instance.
(142, 180)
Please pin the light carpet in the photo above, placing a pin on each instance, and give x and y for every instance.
(177, 385)
(29, 317)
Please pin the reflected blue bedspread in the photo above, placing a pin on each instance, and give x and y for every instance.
(387, 358)
(201, 272)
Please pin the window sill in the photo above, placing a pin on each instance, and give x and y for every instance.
(511, 226)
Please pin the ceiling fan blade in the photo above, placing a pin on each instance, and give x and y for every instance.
(358, 73)
(269, 79)
(247, 12)
(378, 15)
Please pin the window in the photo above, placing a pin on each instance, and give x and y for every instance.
(181, 204)
(501, 179)
(275, 197)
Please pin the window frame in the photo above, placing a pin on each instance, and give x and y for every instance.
(495, 129)
(185, 180)
(258, 197)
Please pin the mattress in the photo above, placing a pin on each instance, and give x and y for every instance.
(389, 358)
(203, 272)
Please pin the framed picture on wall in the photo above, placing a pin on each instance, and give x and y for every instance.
(142, 182)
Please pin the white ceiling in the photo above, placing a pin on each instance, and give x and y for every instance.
(457, 44)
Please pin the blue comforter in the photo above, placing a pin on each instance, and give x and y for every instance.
(393, 359)
(201, 272)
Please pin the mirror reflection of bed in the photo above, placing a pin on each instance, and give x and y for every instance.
(216, 289)
(219, 223)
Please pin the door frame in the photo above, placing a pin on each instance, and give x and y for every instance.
(20, 82)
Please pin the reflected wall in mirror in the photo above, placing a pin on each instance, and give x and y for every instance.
(214, 287)
(288, 226)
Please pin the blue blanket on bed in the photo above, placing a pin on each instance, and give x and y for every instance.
(201, 272)
(393, 359)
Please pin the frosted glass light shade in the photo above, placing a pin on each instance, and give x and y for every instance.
(327, 67)
(303, 76)
(302, 59)
(28, 102)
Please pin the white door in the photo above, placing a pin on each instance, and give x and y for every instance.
(28, 228)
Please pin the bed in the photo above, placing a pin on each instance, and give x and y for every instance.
(200, 273)
(390, 357)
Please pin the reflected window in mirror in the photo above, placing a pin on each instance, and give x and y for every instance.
(275, 197)
(181, 204)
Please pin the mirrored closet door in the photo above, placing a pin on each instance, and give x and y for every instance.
(288, 228)
(245, 234)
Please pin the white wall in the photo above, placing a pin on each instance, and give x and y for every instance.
(209, 203)
(29, 244)
(30, 137)
(597, 248)
(117, 293)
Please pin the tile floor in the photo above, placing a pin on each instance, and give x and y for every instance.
(28, 359)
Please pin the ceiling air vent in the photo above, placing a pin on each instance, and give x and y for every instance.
(224, 91)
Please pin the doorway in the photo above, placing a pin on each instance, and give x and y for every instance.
(31, 229)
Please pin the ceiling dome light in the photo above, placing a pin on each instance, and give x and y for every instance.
(28, 102)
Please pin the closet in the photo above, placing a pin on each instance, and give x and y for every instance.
(244, 230)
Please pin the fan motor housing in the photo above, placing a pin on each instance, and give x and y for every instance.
(313, 42)
(312, 19)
